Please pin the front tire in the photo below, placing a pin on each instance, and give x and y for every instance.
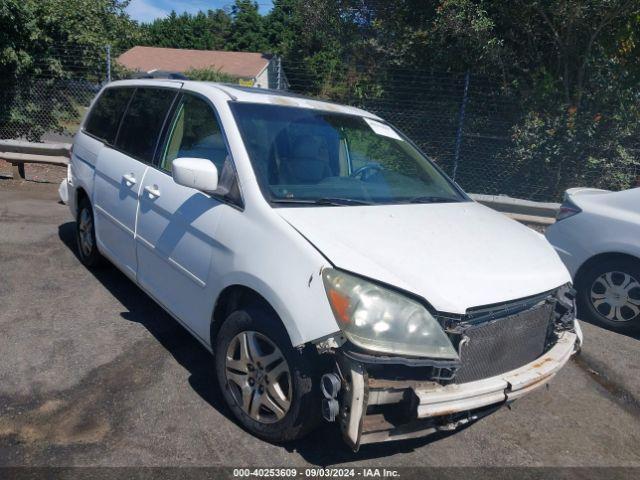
(609, 293)
(86, 235)
(268, 385)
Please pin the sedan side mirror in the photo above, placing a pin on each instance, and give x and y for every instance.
(198, 173)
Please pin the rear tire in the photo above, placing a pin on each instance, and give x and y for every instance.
(276, 399)
(609, 293)
(86, 236)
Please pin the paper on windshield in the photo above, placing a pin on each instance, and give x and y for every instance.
(382, 129)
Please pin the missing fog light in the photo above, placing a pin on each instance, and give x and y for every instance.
(330, 385)
(330, 409)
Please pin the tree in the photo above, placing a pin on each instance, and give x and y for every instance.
(568, 40)
(247, 29)
(574, 71)
(282, 25)
(200, 31)
(48, 44)
(220, 29)
(210, 75)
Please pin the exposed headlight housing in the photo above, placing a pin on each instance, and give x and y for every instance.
(382, 320)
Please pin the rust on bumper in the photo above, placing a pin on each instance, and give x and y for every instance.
(435, 407)
(443, 400)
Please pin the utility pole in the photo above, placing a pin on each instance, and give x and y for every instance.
(108, 63)
(279, 79)
(463, 107)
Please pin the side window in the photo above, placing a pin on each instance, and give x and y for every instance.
(105, 116)
(195, 132)
(142, 122)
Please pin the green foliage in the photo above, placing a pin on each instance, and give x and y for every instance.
(16, 24)
(247, 32)
(463, 36)
(44, 45)
(282, 25)
(577, 72)
(202, 31)
(210, 75)
(243, 29)
(563, 147)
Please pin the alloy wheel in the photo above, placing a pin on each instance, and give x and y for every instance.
(258, 377)
(616, 296)
(85, 227)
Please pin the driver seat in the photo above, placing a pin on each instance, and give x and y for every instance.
(308, 162)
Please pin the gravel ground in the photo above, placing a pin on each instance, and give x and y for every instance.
(34, 173)
(93, 372)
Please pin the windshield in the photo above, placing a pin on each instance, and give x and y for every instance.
(315, 157)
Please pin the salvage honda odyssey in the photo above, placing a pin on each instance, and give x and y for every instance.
(331, 268)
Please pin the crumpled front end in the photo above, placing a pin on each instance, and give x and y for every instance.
(506, 351)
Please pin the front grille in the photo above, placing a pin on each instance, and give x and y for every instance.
(497, 346)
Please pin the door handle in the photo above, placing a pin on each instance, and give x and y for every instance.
(153, 191)
(129, 179)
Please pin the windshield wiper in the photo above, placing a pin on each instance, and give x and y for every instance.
(322, 201)
(433, 199)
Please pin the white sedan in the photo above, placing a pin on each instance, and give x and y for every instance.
(597, 235)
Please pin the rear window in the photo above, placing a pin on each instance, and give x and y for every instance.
(106, 113)
(142, 122)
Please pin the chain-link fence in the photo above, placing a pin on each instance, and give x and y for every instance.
(475, 130)
(482, 135)
(48, 97)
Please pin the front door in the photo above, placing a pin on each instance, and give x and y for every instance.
(177, 225)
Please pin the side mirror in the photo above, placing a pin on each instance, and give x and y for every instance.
(198, 173)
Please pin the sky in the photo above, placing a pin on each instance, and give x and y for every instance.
(148, 10)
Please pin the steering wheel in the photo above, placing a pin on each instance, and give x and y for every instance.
(360, 172)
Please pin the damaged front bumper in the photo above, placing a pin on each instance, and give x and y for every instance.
(376, 410)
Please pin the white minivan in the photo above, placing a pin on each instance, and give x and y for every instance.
(331, 268)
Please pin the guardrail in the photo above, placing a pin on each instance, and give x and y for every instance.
(17, 153)
(525, 211)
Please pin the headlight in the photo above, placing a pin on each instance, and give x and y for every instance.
(379, 319)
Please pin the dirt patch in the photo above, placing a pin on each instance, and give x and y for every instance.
(86, 413)
(34, 172)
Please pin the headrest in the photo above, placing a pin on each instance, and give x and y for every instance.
(310, 147)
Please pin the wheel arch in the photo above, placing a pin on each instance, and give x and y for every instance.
(239, 295)
(601, 257)
(81, 194)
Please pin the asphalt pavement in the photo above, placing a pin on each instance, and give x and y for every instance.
(93, 372)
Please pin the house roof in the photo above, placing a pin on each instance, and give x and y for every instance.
(239, 64)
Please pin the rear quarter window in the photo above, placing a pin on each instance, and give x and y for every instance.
(143, 121)
(104, 118)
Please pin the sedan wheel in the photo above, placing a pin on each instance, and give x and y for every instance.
(259, 377)
(616, 296)
(609, 293)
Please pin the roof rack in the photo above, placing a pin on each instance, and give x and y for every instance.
(159, 74)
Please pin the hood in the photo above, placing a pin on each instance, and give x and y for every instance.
(454, 255)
